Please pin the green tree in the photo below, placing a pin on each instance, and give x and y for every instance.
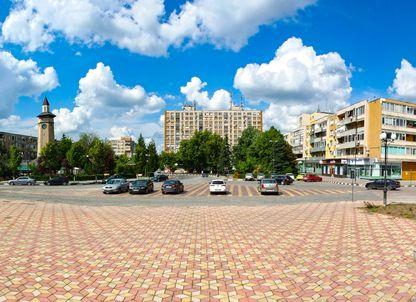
(50, 160)
(101, 158)
(15, 160)
(76, 155)
(168, 160)
(242, 160)
(4, 159)
(124, 166)
(152, 163)
(224, 160)
(140, 155)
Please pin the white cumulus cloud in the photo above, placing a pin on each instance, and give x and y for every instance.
(404, 84)
(143, 26)
(193, 91)
(296, 76)
(101, 102)
(20, 78)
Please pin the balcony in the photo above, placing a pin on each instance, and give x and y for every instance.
(317, 139)
(342, 133)
(349, 120)
(318, 149)
(349, 145)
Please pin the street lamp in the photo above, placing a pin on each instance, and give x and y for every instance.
(385, 140)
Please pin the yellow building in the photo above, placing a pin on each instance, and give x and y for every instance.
(349, 140)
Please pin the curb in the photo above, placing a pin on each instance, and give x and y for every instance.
(363, 185)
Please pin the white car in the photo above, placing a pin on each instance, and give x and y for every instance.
(217, 186)
(249, 177)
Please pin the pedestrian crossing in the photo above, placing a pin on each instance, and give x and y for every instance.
(244, 190)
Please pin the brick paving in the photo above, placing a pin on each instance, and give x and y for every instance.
(304, 252)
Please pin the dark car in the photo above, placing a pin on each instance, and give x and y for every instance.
(204, 174)
(379, 184)
(115, 176)
(141, 186)
(172, 186)
(310, 177)
(159, 178)
(57, 181)
(283, 179)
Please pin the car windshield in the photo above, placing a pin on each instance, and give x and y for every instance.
(114, 181)
(217, 182)
(140, 182)
(170, 182)
(268, 181)
(281, 176)
(260, 174)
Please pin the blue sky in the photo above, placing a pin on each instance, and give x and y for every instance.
(372, 37)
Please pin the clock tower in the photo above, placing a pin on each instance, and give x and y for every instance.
(46, 132)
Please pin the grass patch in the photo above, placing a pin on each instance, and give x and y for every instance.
(404, 210)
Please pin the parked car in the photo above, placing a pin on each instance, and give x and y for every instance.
(268, 185)
(292, 176)
(116, 185)
(22, 181)
(249, 177)
(159, 178)
(218, 186)
(273, 175)
(172, 186)
(57, 181)
(260, 176)
(141, 186)
(283, 179)
(310, 177)
(180, 171)
(115, 176)
(379, 184)
(300, 177)
(204, 174)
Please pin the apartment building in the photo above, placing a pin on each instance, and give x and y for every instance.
(123, 146)
(25, 143)
(182, 124)
(352, 140)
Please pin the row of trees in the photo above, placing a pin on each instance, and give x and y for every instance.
(255, 152)
(93, 156)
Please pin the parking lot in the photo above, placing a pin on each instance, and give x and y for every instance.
(197, 192)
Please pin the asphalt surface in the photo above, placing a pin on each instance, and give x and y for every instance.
(197, 193)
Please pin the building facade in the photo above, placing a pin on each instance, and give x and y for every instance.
(182, 124)
(46, 126)
(123, 146)
(351, 141)
(24, 143)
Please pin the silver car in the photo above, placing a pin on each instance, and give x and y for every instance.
(117, 185)
(268, 185)
(22, 180)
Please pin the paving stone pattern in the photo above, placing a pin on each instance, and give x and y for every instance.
(305, 252)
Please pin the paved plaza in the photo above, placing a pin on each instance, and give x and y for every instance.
(286, 252)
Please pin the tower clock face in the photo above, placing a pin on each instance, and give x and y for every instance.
(44, 126)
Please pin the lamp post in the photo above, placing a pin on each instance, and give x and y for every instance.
(385, 140)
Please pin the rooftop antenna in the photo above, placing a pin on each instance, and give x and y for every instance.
(318, 109)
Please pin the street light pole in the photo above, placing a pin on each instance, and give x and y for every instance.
(385, 140)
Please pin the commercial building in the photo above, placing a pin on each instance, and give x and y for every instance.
(123, 146)
(182, 124)
(25, 143)
(349, 140)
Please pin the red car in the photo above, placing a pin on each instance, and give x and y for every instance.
(312, 178)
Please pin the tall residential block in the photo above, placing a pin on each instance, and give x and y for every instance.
(182, 124)
(123, 146)
(46, 126)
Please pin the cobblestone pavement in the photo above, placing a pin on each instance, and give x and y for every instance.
(316, 251)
